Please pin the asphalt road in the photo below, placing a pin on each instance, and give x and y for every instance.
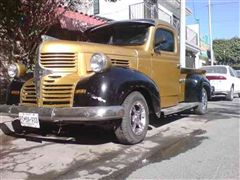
(179, 146)
(215, 157)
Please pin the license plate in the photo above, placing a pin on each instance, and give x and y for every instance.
(29, 119)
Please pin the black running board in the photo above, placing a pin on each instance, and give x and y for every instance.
(178, 108)
(39, 138)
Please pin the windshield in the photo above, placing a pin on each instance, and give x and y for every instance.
(216, 69)
(119, 34)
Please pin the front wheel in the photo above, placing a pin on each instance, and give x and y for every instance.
(202, 107)
(134, 124)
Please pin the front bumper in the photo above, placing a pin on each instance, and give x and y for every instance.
(74, 114)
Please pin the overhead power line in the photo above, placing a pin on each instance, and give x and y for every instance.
(224, 3)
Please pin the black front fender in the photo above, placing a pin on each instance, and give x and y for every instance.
(112, 87)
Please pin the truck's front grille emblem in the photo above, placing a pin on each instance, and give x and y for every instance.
(59, 61)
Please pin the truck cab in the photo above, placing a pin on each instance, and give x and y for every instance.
(123, 72)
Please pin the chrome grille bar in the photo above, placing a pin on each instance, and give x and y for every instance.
(59, 61)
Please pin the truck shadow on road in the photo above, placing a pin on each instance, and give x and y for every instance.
(68, 134)
(158, 122)
(76, 134)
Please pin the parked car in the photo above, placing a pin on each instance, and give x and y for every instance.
(238, 73)
(223, 80)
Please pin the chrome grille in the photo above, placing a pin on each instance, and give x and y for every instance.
(28, 95)
(56, 95)
(121, 63)
(56, 61)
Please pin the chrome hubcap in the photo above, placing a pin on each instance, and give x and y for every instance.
(138, 118)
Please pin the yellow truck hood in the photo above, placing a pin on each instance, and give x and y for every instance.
(60, 46)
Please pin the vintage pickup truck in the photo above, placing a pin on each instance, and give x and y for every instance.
(121, 74)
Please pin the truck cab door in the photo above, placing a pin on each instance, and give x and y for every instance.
(165, 65)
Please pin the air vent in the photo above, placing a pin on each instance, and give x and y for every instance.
(121, 63)
(56, 95)
(58, 61)
(28, 95)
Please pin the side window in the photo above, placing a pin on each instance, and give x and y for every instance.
(96, 7)
(164, 40)
(232, 73)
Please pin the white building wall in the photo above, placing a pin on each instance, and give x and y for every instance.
(118, 10)
(195, 28)
(198, 64)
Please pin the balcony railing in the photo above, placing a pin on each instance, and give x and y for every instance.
(145, 10)
(191, 37)
(148, 11)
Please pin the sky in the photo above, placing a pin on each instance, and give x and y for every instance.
(225, 17)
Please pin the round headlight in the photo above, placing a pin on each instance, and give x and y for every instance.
(99, 62)
(12, 70)
(16, 70)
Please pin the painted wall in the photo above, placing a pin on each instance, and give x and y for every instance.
(116, 10)
(120, 10)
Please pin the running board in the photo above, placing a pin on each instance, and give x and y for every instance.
(37, 137)
(178, 108)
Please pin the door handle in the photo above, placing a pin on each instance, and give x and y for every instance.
(178, 66)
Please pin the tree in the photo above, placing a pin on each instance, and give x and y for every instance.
(227, 51)
(81, 5)
(22, 23)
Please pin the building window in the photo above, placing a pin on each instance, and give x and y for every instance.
(96, 6)
(164, 40)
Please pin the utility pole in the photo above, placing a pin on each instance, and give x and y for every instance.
(210, 30)
(183, 33)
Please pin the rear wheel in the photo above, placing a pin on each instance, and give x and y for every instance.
(230, 95)
(202, 107)
(134, 124)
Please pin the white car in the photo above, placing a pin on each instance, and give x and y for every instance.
(223, 80)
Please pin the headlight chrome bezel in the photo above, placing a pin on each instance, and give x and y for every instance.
(99, 62)
(16, 70)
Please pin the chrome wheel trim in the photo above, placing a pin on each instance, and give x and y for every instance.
(204, 99)
(138, 117)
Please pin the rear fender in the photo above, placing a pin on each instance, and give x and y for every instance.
(193, 87)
